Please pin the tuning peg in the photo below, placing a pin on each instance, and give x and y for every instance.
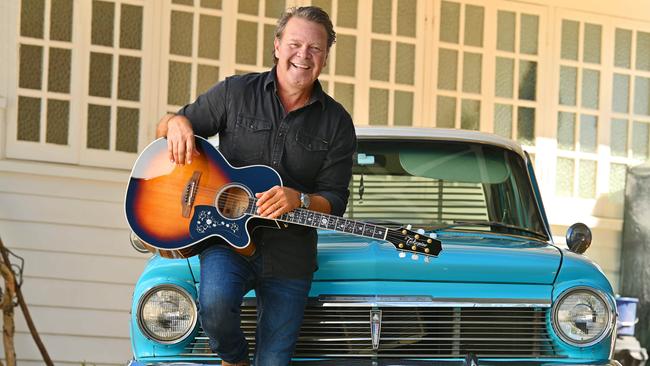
(420, 231)
(409, 226)
(402, 255)
(415, 257)
(433, 235)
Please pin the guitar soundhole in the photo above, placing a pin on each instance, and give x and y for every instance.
(233, 202)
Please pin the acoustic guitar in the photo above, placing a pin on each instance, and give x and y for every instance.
(172, 209)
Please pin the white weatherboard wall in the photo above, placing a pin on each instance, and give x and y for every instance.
(79, 268)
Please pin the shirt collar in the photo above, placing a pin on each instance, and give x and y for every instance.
(317, 93)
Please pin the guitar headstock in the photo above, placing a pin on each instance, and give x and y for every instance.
(405, 239)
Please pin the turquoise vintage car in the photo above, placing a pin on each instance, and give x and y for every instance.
(500, 291)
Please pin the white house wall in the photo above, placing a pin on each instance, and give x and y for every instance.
(79, 268)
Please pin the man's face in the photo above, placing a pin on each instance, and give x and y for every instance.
(301, 53)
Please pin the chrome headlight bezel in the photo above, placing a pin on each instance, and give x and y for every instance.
(599, 295)
(143, 302)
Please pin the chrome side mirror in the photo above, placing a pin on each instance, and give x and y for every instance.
(137, 243)
(578, 238)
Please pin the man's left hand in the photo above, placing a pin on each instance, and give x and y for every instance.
(277, 201)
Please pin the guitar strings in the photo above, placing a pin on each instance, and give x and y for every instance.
(392, 235)
(251, 200)
(250, 204)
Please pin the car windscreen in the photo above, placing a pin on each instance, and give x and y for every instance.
(436, 183)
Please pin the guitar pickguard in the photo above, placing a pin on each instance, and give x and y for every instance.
(207, 221)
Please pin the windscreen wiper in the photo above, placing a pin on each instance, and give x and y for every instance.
(459, 223)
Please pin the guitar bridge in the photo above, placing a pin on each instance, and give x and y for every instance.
(189, 194)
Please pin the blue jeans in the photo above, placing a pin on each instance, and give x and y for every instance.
(225, 278)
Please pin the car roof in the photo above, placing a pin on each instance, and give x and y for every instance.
(438, 134)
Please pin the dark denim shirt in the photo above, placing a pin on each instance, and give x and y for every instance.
(311, 148)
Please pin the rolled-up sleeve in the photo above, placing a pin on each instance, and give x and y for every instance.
(334, 177)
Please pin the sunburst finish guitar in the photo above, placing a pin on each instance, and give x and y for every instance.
(173, 208)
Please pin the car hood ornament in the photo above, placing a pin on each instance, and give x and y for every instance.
(375, 328)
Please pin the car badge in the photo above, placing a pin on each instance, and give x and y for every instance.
(375, 328)
(471, 360)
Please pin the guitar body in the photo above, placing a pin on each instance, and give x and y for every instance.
(174, 208)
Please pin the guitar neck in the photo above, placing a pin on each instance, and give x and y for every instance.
(304, 217)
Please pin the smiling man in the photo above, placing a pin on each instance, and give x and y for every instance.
(281, 118)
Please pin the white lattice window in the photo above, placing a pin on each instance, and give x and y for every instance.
(81, 87)
(579, 107)
(40, 127)
(255, 31)
(603, 101)
(630, 105)
(374, 69)
(338, 78)
(115, 106)
(193, 50)
(460, 56)
(393, 85)
(208, 40)
(516, 70)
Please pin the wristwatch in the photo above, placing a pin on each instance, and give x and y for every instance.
(305, 200)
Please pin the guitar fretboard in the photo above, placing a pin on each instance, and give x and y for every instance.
(319, 220)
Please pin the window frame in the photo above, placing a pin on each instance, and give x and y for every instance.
(76, 151)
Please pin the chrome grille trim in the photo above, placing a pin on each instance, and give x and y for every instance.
(414, 329)
(427, 301)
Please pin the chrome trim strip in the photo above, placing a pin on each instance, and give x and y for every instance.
(424, 301)
(440, 304)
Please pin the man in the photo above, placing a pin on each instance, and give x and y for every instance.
(281, 118)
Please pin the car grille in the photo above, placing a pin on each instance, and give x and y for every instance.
(412, 332)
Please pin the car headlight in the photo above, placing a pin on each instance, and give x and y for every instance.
(582, 317)
(167, 314)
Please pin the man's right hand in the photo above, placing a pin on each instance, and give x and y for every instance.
(180, 138)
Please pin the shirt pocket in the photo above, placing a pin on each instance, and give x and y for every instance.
(311, 143)
(309, 154)
(252, 138)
